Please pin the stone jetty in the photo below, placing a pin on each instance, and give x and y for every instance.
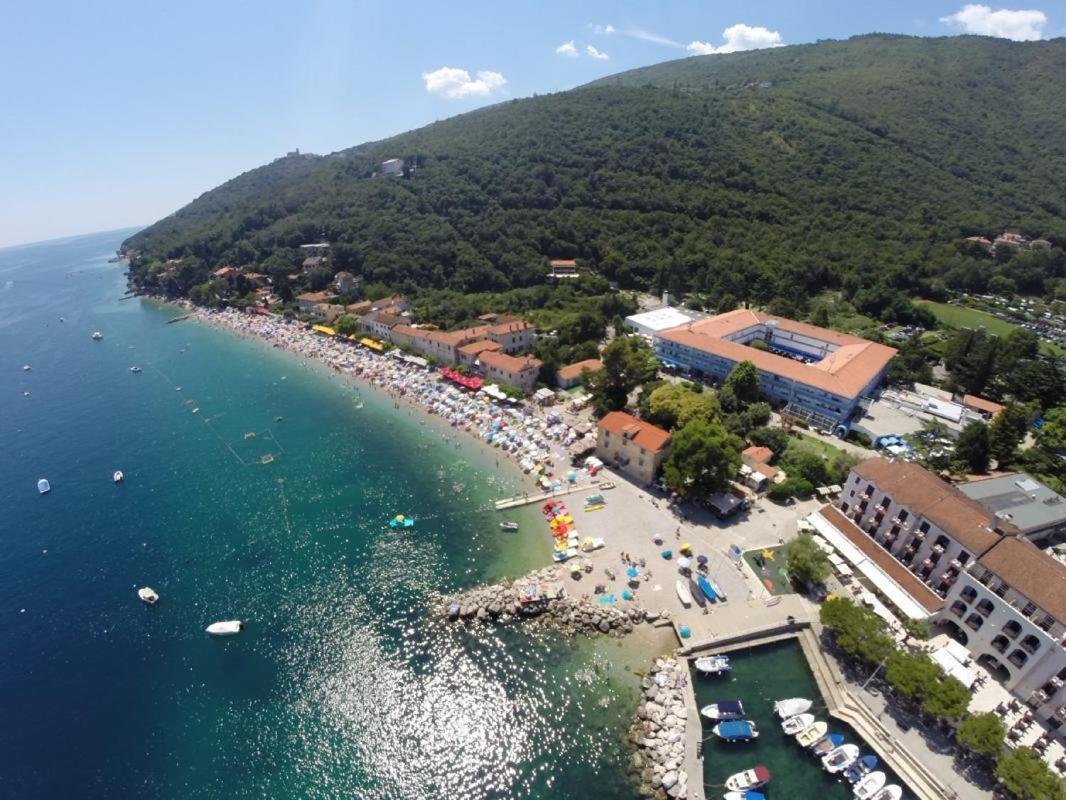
(658, 733)
(541, 596)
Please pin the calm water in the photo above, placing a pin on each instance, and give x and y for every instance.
(340, 686)
(759, 677)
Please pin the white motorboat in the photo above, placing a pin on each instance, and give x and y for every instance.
(748, 795)
(792, 706)
(684, 594)
(97, 335)
(118, 477)
(869, 786)
(840, 759)
(227, 628)
(43, 486)
(797, 724)
(748, 779)
(724, 709)
(890, 792)
(148, 595)
(26, 367)
(713, 665)
(135, 369)
(811, 734)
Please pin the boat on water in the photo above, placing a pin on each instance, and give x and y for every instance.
(400, 521)
(828, 742)
(792, 706)
(736, 730)
(148, 595)
(135, 369)
(227, 628)
(749, 795)
(838, 760)
(97, 335)
(684, 594)
(508, 526)
(890, 792)
(43, 486)
(606, 485)
(797, 724)
(26, 367)
(713, 665)
(869, 785)
(723, 710)
(118, 477)
(709, 590)
(754, 778)
(812, 733)
(860, 768)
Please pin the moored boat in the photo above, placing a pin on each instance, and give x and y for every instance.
(828, 742)
(736, 730)
(792, 706)
(890, 792)
(713, 665)
(684, 594)
(797, 724)
(508, 526)
(227, 628)
(840, 759)
(748, 795)
(148, 595)
(754, 778)
(724, 709)
(118, 477)
(97, 335)
(43, 486)
(812, 733)
(606, 485)
(135, 369)
(870, 785)
(863, 766)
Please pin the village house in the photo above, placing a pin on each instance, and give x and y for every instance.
(570, 375)
(379, 325)
(562, 269)
(986, 408)
(395, 304)
(514, 337)
(469, 354)
(357, 309)
(633, 447)
(500, 367)
(344, 282)
(228, 274)
(314, 303)
(257, 279)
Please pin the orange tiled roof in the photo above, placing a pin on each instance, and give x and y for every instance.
(480, 346)
(507, 363)
(760, 455)
(645, 435)
(1031, 571)
(504, 328)
(980, 404)
(571, 371)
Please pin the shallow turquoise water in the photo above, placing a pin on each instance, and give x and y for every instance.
(341, 686)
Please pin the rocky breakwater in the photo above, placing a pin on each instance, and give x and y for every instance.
(659, 733)
(542, 597)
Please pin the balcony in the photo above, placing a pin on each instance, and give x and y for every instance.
(1030, 644)
(948, 578)
(938, 549)
(1060, 713)
(956, 565)
(1037, 699)
(919, 536)
(958, 608)
(1000, 643)
(1056, 683)
(897, 521)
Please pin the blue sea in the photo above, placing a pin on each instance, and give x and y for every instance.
(342, 684)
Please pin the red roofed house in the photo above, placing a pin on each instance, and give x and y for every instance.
(570, 375)
(227, 273)
(631, 446)
(562, 268)
(755, 455)
(515, 337)
(986, 408)
(469, 353)
(520, 372)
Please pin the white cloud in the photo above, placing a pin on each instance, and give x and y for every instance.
(1022, 25)
(455, 83)
(738, 37)
(599, 55)
(567, 49)
(649, 36)
(605, 30)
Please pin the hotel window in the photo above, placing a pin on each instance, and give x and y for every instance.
(968, 594)
(985, 607)
(924, 527)
(1031, 643)
(1012, 629)
(975, 621)
(1018, 658)
(1000, 643)
(886, 501)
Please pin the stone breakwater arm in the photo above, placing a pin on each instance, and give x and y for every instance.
(541, 596)
(658, 733)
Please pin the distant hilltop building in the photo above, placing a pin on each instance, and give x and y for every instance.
(392, 167)
(345, 282)
(562, 269)
(315, 255)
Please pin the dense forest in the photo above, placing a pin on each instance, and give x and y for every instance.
(857, 165)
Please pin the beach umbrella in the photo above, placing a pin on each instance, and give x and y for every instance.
(686, 549)
(685, 631)
(632, 572)
(627, 595)
(667, 554)
(684, 563)
(701, 559)
(657, 538)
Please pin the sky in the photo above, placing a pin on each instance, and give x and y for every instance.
(116, 114)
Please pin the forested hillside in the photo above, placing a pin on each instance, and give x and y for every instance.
(766, 175)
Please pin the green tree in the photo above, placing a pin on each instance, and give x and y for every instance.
(982, 733)
(792, 486)
(674, 405)
(1025, 775)
(703, 458)
(345, 325)
(860, 633)
(946, 699)
(1052, 434)
(1007, 431)
(912, 674)
(627, 363)
(806, 560)
(972, 450)
(743, 382)
(726, 303)
(774, 438)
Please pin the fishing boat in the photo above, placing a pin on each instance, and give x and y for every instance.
(43, 486)
(792, 706)
(828, 742)
(118, 477)
(797, 724)
(684, 594)
(606, 485)
(707, 588)
(135, 370)
(508, 526)
(863, 766)
(723, 710)
(713, 665)
(890, 792)
(736, 730)
(812, 733)
(148, 595)
(753, 778)
(749, 795)
(228, 628)
(838, 760)
(869, 786)
(97, 335)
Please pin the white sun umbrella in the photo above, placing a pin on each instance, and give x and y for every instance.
(684, 562)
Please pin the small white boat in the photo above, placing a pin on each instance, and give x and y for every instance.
(508, 526)
(840, 759)
(135, 369)
(748, 795)
(797, 724)
(748, 779)
(792, 706)
(227, 628)
(869, 785)
(811, 734)
(890, 792)
(684, 594)
(97, 335)
(118, 477)
(43, 486)
(736, 730)
(26, 368)
(724, 709)
(148, 595)
(713, 665)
